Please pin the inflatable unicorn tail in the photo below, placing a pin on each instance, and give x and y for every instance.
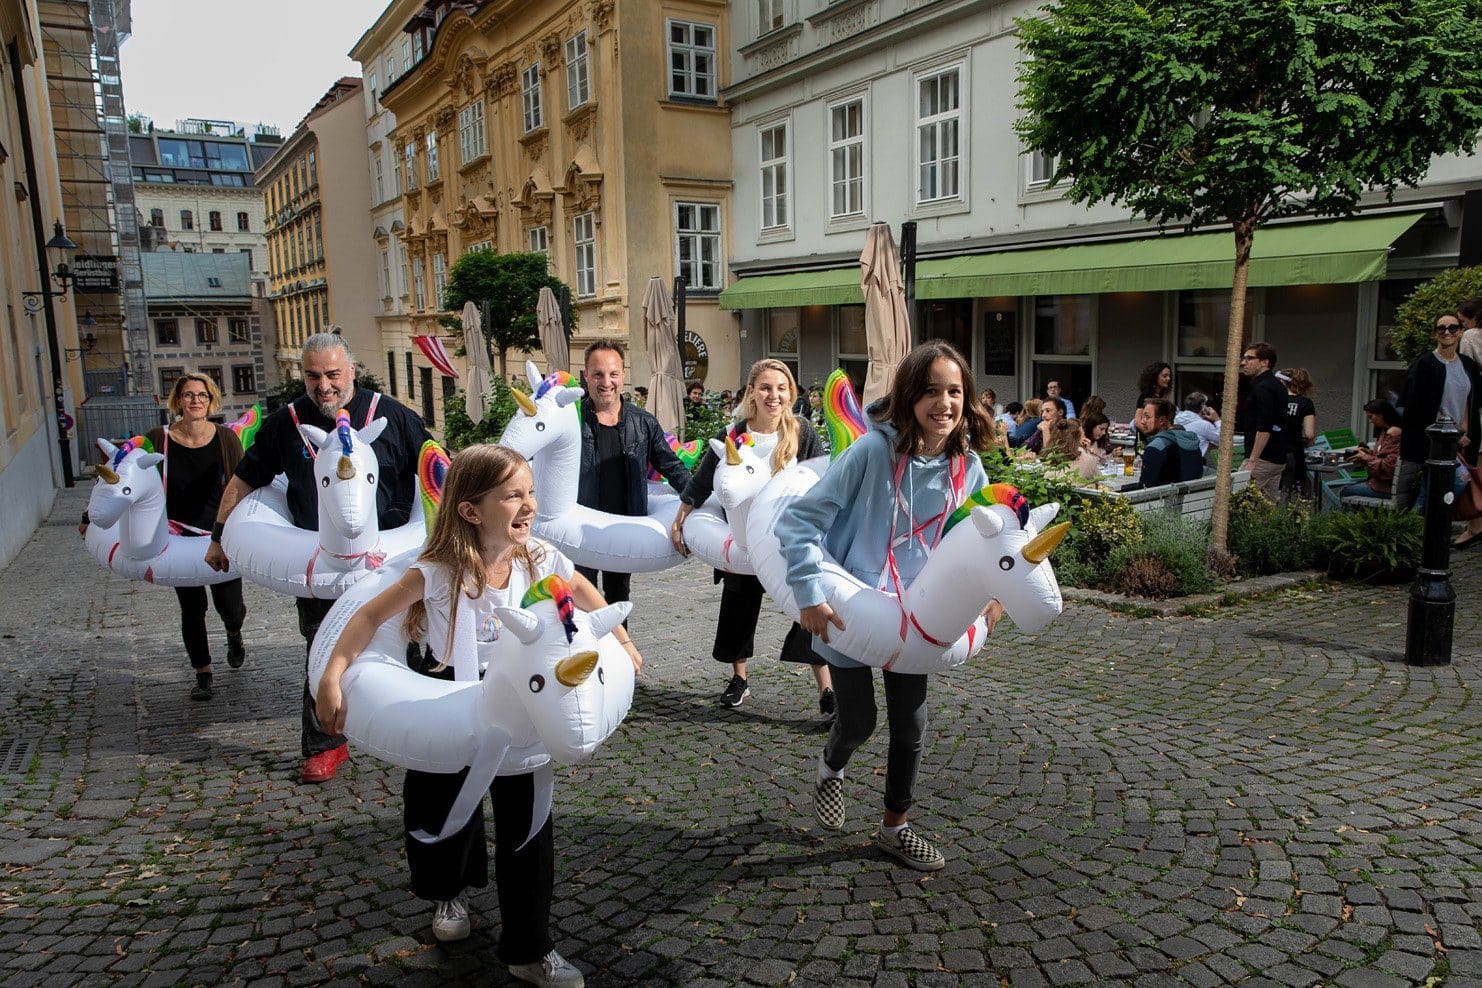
(432, 468)
(841, 413)
(689, 454)
(247, 426)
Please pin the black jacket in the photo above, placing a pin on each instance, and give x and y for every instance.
(1424, 386)
(644, 446)
(1265, 411)
(702, 484)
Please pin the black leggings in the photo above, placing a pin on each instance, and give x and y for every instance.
(905, 713)
(735, 629)
(228, 600)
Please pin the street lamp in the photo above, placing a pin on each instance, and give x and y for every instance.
(88, 340)
(60, 248)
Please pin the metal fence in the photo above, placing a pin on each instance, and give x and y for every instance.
(103, 417)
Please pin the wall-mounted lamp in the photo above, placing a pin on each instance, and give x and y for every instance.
(88, 340)
(60, 249)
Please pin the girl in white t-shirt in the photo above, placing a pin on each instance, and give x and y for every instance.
(481, 543)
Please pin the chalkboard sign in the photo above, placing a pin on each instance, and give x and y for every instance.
(1000, 330)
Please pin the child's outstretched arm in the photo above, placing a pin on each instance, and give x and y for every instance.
(329, 705)
(589, 599)
(801, 527)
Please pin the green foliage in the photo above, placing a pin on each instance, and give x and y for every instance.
(705, 421)
(1169, 561)
(293, 388)
(1102, 526)
(1412, 336)
(1268, 538)
(1374, 544)
(511, 284)
(460, 431)
(1037, 485)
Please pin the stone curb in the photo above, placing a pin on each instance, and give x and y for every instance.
(1239, 590)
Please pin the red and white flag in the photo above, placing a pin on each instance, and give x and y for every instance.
(432, 349)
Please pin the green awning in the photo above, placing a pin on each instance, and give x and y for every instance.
(834, 286)
(1340, 252)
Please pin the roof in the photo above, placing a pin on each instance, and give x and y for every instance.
(174, 275)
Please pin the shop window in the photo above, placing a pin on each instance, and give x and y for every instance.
(851, 349)
(1064, 328)
(784, 330)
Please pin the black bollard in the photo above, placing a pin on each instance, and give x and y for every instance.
(1432, 600)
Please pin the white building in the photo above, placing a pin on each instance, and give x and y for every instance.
(853, 111)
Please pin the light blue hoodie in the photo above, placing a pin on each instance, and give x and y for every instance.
(848, 513)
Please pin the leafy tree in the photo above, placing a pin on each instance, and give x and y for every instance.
(511, 284)
(1412, 335)
(460, 431)
(1226, 113)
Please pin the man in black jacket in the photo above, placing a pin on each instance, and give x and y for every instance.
(619, 442)
(1265, 420)
(1442, 380)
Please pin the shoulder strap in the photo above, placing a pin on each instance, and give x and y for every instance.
(370, 412)
(293, 414)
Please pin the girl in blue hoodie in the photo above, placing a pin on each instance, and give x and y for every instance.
(879, 511)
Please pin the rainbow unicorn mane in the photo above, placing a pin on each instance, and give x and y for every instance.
(689, 454)
(129, 445)
(345, 431)
(432, 470)
(554, 589)
(1005, 494)
(559, 379)
(841, 413)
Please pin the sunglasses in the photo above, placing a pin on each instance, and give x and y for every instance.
(1451, 329)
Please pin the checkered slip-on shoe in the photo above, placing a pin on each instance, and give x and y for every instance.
(828, 803)
(910, 849)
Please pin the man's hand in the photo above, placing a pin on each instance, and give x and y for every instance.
(216, 557)
(816, 619)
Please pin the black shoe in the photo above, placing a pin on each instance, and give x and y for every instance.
(735, 692)
(826, 703)
(202, 689)
(236, 651)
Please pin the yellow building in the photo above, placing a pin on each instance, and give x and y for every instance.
(321, 257)
(39, 370)
(519, 128)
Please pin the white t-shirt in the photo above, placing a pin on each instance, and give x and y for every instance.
(1458, 389)
(476, 616)
(1207, 431)
(763, 444)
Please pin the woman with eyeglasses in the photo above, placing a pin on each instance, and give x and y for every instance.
(1443, 380)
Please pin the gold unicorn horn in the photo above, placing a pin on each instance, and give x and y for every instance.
(106, 472)
(733, 455)
(523, 400)
(1040, 547)
(574, 670)
(345, 469)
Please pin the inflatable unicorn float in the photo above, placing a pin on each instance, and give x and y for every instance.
(129, 532)
(266, 547)
(995, 547)
(556, 685)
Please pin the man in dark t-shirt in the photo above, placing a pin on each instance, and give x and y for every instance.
(1265, 420)
(329, 374)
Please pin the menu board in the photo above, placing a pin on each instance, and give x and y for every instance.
(1000, 330)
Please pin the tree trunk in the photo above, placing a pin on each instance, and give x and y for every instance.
(503, 368)
(1245, 232)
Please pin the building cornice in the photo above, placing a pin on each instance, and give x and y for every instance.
(386, 27)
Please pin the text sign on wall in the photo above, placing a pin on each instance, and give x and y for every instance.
(95, 273)
(696, 357)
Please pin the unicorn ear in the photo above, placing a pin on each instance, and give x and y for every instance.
(148, 460)
(521, 623)
(313, 435)
(1041, 516)
(604, 619)
(989, 522)
(371, 432)
(719, 448)
(107, 448)
(533, 374)
(567, 396)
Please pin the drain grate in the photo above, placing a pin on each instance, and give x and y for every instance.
(16, 755)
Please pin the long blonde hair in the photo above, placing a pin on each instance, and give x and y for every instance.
(787, 427)
(454, 542)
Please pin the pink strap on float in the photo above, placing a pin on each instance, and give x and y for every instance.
(958, 474)
(374, 559)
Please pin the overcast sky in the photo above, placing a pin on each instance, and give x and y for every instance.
(247, 60)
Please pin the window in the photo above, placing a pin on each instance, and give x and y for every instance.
(769, 16)
(411, 380)
(439, 279)
(480, 245)
(406, 53)
(393, 69)
(218, 250)
(578, 82)
(244, 223)
(1041, 168)
(1064, 331)
(313, 169)
(213, 218)
(530, 97)
(783, 330)
(395, 170)
(237, 331)
(539, 240)
(248, 252)
(375, 93)
(938, 123)
(378, 169)
(584, 237)
(168, 377)
(167, 332)
(697, 244)
(471, 131)
(419, 285)
(157, 217)
(214, 373)
(846, 159)
(244, 379)
(411, 160)
(391, 371)
(851, 344)
(692, 60)
(187, 220)
(385, 274)
(429, 408)
(205, 331)
(432, 170)
(774, 176)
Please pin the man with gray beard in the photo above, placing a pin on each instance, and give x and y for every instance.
(329, 376)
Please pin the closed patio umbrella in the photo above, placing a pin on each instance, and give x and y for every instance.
(887, 324)
(665, 389)
(552, 332)
(476, 352)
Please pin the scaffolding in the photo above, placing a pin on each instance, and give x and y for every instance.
(81, 40)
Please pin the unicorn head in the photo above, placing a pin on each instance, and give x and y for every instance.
(126, 480)
(546, 430)
(345, 478)
(572, 693)
(739, 475)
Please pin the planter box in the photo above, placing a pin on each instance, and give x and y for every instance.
(1193, 500)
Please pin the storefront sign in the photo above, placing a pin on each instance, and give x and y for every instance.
(696, 357)
(95, 273)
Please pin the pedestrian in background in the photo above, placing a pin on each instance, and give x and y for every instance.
(1440, 381)
(1155, 381)
(1469, 312)
(1265, 420)
(1053, 390)
(1301, 429)
(1380, 462)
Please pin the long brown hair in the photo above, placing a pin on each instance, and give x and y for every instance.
(912, 378)
(454, 542)
(1299, 380)
(787, 426)
(1064, 440)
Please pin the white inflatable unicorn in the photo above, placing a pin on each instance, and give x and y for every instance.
(557, 684)
(129, 532)
(262, 542)
(547, 432)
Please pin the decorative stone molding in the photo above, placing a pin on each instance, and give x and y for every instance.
(537, 142)
(502, 80)
(551, 48)
(600, 12)
(444, 117)
(579, 122)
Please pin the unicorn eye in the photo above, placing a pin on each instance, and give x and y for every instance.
(600, 677)
(324, 482)
(370, 478)
(750, 468)
(128, 490)
(1006, 563)
(537, 683)
(540, 427)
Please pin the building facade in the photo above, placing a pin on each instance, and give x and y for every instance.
(892, 110)
(203, 318)
(519, 128)
(321, 256)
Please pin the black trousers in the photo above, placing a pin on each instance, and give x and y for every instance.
(735, 629)
(312, 740)
(905, 713)
(615, 587)
(524, 878)
(228, 600)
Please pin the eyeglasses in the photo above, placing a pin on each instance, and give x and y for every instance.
(1450, 329)
(1248, 356)
(194, 396)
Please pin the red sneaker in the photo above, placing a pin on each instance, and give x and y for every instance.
(322, 767)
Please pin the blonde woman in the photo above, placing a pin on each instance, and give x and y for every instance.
(776, 433)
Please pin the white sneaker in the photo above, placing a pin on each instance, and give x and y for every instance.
(450, 920)
(553, 971)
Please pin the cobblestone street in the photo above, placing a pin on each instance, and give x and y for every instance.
(1264, 794)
